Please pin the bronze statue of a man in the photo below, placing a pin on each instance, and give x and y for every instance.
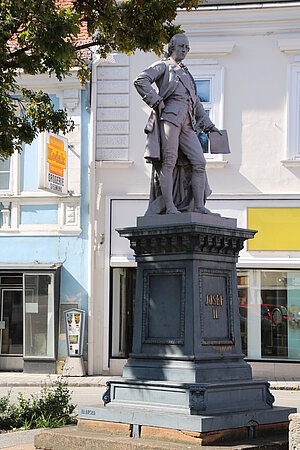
(176, 109)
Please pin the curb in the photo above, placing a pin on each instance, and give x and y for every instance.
(37, 384)
(101, 382)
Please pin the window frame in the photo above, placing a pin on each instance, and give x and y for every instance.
(10, 184)
(293, 113)
(215, 74)
(55, 276)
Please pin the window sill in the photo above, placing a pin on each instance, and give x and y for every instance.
(122, 261)
(7, 231)
(290, 162)
(114, 164)
(210, 163)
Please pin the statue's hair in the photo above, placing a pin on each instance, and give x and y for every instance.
(171, 44)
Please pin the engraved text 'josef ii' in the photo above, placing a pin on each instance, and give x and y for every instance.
(215, 301)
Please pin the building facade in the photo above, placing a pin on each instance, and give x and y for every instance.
(44, 240)
(246, 63)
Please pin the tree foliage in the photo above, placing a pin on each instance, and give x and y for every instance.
(39, 37)
(134, 24)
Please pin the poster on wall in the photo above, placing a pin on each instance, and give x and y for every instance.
(53, 164)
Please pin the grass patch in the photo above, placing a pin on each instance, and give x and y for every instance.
(50, 408)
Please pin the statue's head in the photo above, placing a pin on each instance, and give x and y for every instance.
(178, 47)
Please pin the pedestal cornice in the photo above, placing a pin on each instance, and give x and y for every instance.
(186, 238)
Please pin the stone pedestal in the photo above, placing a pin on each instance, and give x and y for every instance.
(187, 370)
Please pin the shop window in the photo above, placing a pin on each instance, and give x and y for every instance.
(243, 306)
(5, 174)
(29, 304)
(39, 315)
(269, 305)
(123, 294)
(11, 312)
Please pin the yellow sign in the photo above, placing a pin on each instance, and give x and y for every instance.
(53, 163)
(278, 228)
(56, 156)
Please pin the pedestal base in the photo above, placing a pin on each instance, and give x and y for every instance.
(204, 423)
(190, 398)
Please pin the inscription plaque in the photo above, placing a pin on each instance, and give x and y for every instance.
(163, 306)
(216, 307)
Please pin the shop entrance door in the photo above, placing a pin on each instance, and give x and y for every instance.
(11, 329)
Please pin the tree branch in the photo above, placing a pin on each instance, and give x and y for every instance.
(86, 45)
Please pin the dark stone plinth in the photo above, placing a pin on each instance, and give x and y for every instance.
(186, 360)
(192, 398)
(186, 218)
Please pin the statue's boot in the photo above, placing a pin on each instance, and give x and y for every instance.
(166, 184)
(198, 188)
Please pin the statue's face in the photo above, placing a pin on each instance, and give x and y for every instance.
(181, 48)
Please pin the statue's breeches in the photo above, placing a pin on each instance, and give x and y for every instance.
(183, 136)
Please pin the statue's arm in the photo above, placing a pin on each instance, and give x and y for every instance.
(143, 83)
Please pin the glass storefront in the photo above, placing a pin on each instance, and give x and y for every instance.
(11, 321)
(123, 294)
(11, 315)
(29, 306)
(39, 315)
(269, 305)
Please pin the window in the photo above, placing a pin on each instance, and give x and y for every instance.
(5, 175)
(204, 94)
(39, 315)
(269, 305)
(29, 314)
(293, 118)
(123, 294)
(11, 314)
(209, 83)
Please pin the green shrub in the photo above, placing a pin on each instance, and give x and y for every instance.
(8, 412)
(50, 408)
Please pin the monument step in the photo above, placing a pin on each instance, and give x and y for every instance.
(166, 418)
(105, 436)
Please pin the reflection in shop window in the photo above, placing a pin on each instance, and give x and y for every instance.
(276, 308)
(123, 294)
(243, 304)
